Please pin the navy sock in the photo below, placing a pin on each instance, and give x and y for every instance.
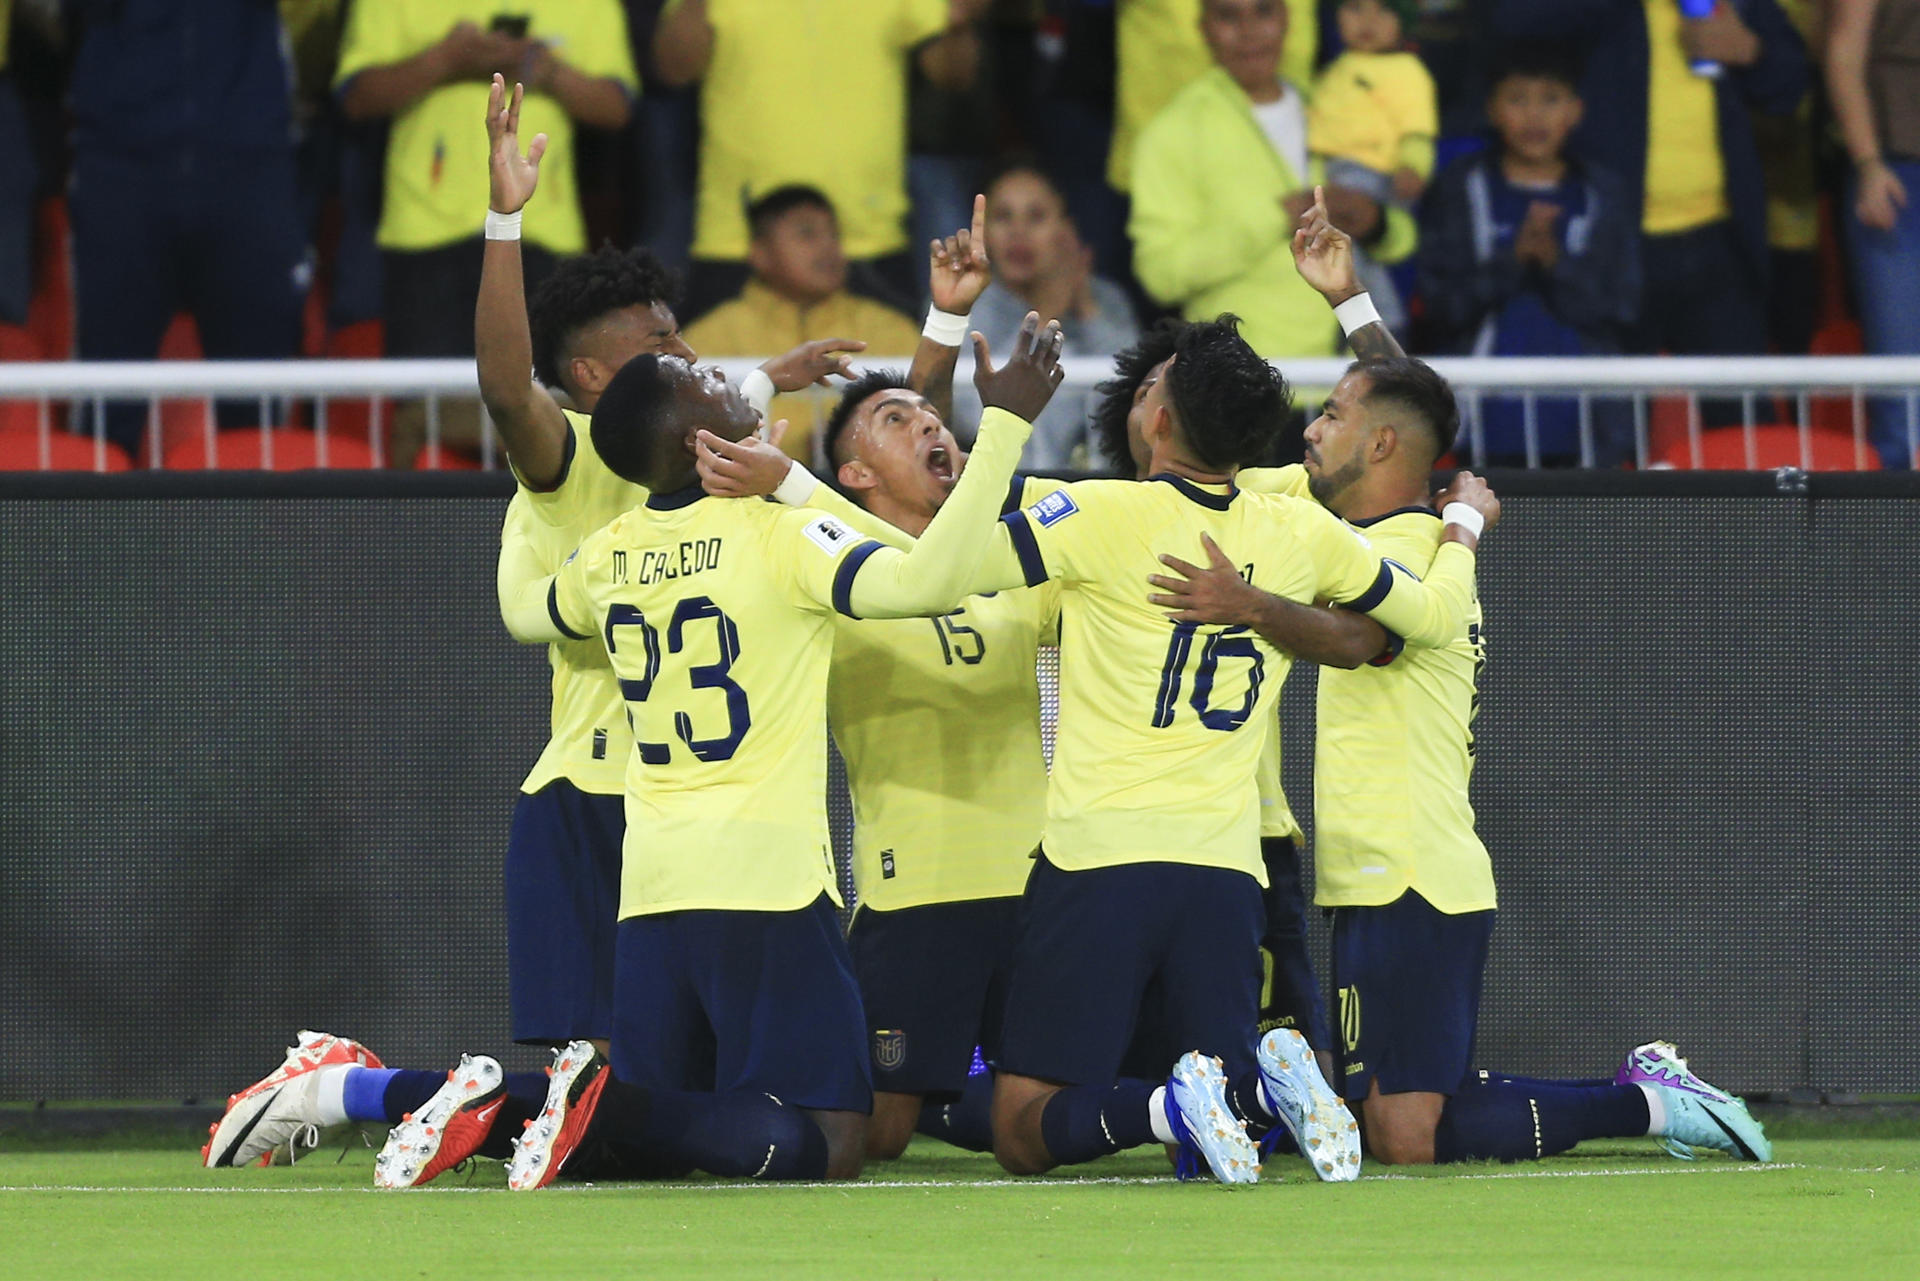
(1592, 1081)
(526, 1095)
(737, 1135)
(1494, 1119)
(408, 1091)
(1082, 1122)
(967, 1122)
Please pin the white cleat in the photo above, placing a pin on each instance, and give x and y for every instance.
(1205, 1126)
(279, 1107)
(1317, 1118)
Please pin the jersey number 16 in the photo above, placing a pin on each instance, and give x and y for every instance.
(1234, 642)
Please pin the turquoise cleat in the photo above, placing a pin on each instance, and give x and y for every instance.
(1698, 1115)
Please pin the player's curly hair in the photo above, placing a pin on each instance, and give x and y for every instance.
(1232, 404)
(584, 288)
(867, 384)
(1130, 365)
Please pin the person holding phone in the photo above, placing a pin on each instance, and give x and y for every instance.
(427, 65)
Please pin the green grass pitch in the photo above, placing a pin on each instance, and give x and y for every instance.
(1829, 1206)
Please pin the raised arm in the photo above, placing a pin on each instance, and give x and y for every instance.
(530, 422)
(957, 274)
(1323, 255)
(1217, 594)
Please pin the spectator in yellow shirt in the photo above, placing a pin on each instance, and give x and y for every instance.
(797, 292)
(427, 64)
(808, 92)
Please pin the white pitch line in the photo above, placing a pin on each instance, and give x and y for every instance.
(949, 1184)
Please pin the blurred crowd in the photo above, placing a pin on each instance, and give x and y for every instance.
(1526, 177)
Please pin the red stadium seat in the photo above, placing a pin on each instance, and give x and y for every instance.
(437, 458)
(17, 343)
(50, 313)
(21, 450)
(1774, 445)
(291, 449)
(363, 341)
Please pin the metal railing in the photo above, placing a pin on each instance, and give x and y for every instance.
(1818, 399)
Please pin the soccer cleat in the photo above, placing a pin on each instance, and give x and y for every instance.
(1317, 1118)
(579, 1075)
(448, 1127)
(278, 1107)
(1204, 1126)
(1699, 1115)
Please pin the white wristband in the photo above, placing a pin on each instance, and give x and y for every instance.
(503, 226)
(1464, 516)
(1356, 312)
(758, 390)
(945, 328)
(798, 486)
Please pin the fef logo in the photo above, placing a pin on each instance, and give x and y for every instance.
(1053, 509)
(889, 1049)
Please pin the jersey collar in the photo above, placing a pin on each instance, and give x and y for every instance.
(1415, 510)
(676, 498)
(1205, 497)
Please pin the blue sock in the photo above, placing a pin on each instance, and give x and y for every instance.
(1082, 1122)
(967, 1122)
(737, 1135)
(1498, 1120)
(364, 1094)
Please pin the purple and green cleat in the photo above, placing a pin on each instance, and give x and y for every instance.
(1699, 1115)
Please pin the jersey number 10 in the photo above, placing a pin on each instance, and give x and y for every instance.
(692, 611)
(1234, 642)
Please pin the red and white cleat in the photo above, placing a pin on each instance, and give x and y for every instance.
(580, 1074)
(447, 1129)
(277, 1107)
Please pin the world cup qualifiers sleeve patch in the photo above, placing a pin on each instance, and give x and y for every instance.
(1053, 509)
(829, 535)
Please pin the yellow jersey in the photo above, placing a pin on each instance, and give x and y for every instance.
(1395, 753)
(716, 618)
(1276, 815)
(1154, 760)
(1375, 109)
(813, 92)
(938, 720)
(588, 740)
(436, 171)
(1686, 174)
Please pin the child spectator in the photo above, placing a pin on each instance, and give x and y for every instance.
(797, 293)
(1372, 121)
(1528, 252)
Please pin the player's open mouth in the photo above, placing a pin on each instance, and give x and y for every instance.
(940, 464)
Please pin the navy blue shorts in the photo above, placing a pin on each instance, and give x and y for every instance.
(1289, 993)
(726, 1001)
(934, 982)
(1408, 978)
(563, 905)
(1094, 942)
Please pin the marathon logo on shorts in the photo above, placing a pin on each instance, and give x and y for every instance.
(889, 1049)
(886, 865)
(1053, 509)
(829, 535)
